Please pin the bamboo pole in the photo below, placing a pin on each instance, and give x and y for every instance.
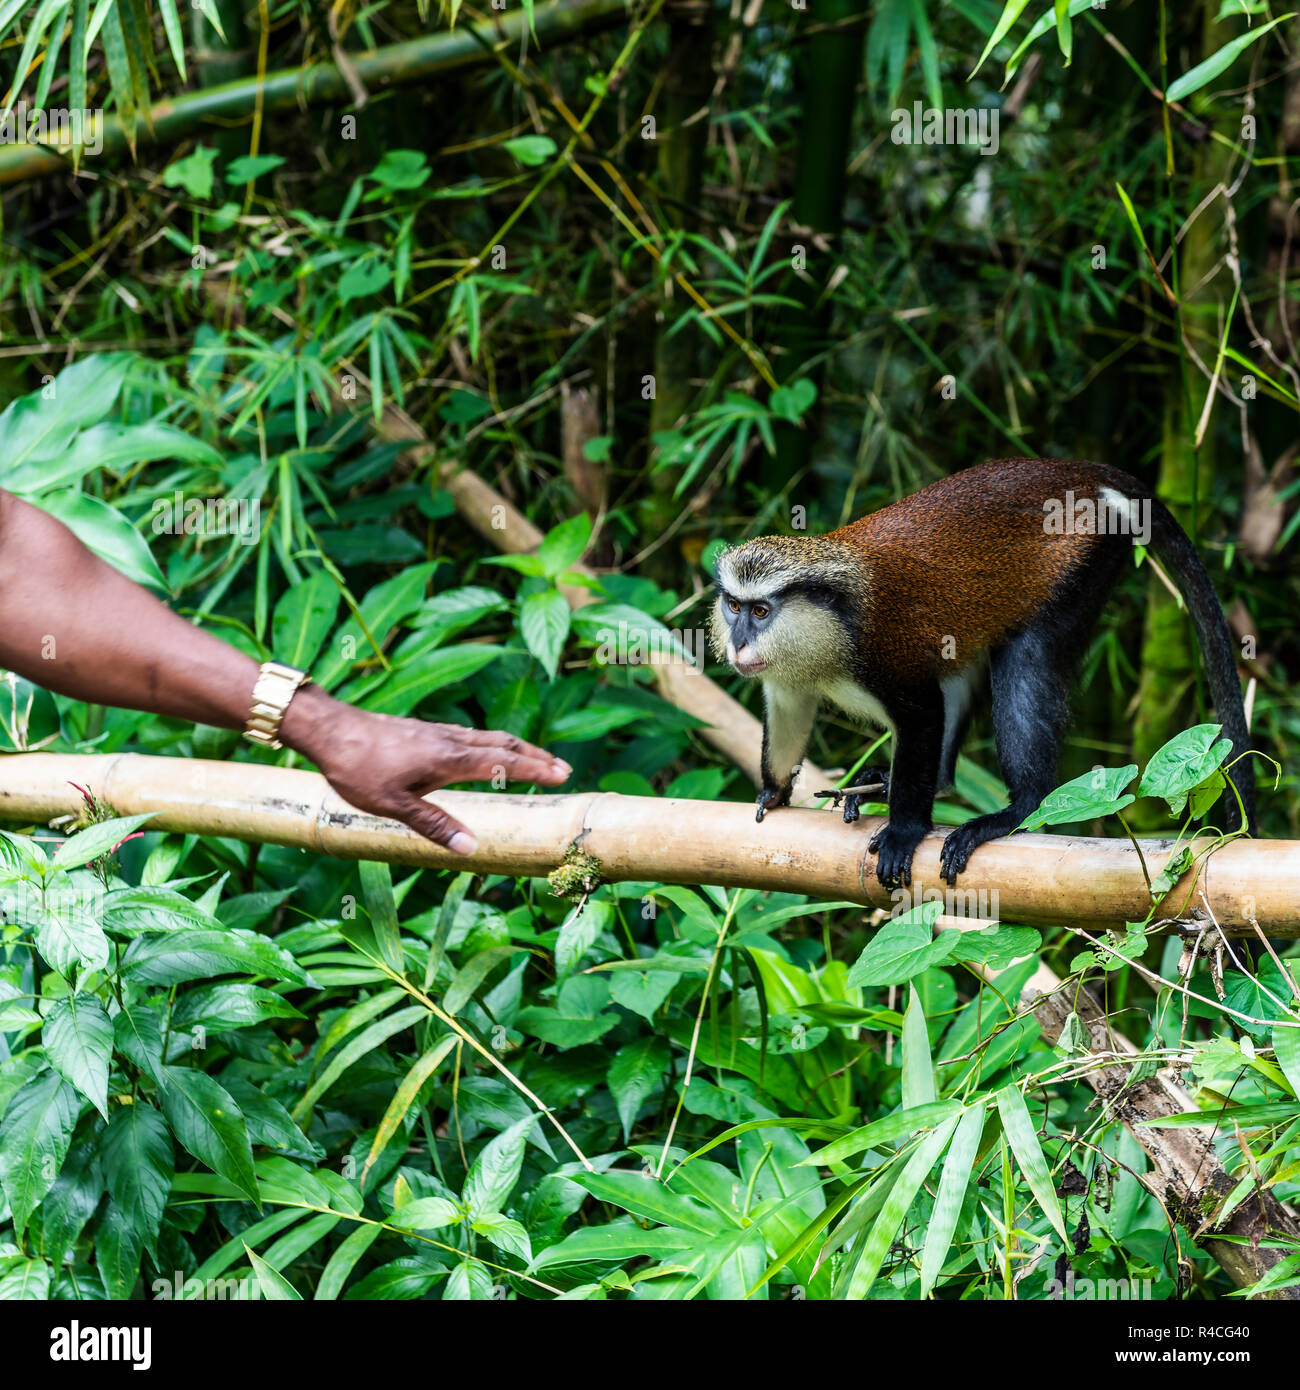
(176, 117)
(1026, 878)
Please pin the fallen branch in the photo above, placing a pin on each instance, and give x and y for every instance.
(1025, 878)
(1186, 1175)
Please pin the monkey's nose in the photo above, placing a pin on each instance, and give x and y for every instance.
(747, 661)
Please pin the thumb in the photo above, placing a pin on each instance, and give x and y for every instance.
(434, 824)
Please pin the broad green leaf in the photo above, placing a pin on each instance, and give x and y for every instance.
(544, 625)
(408, 685)
(220, 1007)
(564, 544)
(426, 1214)
(41, 426)
(493, 1174)
(303, 618)
(904, 946)
(78, 1040)
(637, 1068)
(1183, 763)
(192, 955)
(97, 840)
(34, 1136)
(1097, 793)
(136, 1151)
(209, 1124)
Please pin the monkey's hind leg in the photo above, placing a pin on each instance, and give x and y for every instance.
(1029, 713)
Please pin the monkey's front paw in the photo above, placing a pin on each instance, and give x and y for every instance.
(770, 797)
(956, 853)
(894, 847)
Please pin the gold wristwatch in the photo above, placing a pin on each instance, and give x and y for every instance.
(274, 688)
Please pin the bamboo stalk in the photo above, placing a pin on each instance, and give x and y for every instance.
(1026, 878)
(399, 63)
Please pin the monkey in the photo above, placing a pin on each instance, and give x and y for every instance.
(998, 571)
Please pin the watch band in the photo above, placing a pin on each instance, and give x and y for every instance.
(274, 688)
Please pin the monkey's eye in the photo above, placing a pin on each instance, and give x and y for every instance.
(733, 605)
(760, 611)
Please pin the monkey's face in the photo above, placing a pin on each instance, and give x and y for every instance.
(740, 625)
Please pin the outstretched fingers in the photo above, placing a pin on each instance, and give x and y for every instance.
(486, 755)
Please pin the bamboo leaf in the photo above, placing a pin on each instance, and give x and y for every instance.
(948, 1201)
(1018, 1126)
(1204, 73)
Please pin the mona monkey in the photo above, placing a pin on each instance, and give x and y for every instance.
(895, 617)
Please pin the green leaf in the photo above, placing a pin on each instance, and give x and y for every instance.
(793, 401)
(404, 1097)
(564, 545)
(1205, 73)
(900, 1125)
(194, 173)
(1018, 1126)
(578, 933)
(78, 1040)
(97, 840)
(401, 169)
(918, 1070)
(904, 946)
(948, 1201)
(221, 1007)
(544, 626)
(426, 1214)
(531, 150)
(40, 426)
(138, 1166)
(137, 1035)
(407, 686)
(995, 947)
(896, 1206)
(34, 1137)
(493, 1174)
(366, 277)
(192, 955)
(106, 532)
(1183, 763)
(344, 1259)
(505, 1234)
(68, 934)
(1097, 793)
(273, 1284)
(303, 619)
(209, 1124)
(365, 1041)
(1286, 1048)
(1011, 13)
(381, 907)
(638, 1067)
(249, 167)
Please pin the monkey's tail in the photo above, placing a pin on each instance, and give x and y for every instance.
(1174, 549)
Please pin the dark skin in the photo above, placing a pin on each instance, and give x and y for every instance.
(71, 623)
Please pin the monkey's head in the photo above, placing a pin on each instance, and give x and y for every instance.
(786, 608)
